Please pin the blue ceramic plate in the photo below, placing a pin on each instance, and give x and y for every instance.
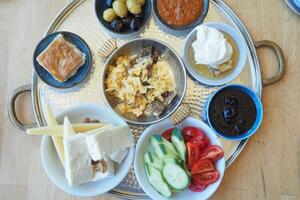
(259, 111)
(82, 72)
(294, 5)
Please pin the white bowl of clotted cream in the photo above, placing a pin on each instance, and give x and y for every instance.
(236, 52)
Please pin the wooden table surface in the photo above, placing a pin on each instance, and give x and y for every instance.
(269, 166)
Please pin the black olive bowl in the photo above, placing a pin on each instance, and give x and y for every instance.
(180, 30)
(101, 5)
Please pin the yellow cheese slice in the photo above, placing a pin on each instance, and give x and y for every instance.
(57, 130)
(57, 141)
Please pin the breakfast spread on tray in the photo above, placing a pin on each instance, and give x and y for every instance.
(87, 151)
(124, 14)
(177, 160)
(61, 58)
(143, 83)
(147, 80)
(181, 12)
(213, 51)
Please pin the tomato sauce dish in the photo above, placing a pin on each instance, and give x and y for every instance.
(180, 15)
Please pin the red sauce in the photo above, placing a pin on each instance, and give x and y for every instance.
(179, 12)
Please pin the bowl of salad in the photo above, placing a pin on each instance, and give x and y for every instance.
(185, 161)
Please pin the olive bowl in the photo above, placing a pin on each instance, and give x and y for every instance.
(259, 112)
(101, 5)
(176, 66)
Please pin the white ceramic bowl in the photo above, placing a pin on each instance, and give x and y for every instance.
(54, 168)
(240, 42)
(143, 145)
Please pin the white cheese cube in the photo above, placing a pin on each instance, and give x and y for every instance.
(79, 176)
(68, 129)
(108, 141)
(118, 156)
(77, 162)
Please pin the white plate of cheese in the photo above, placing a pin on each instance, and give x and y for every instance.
(51, 160)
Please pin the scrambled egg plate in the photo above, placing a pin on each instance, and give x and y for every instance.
(137, 82)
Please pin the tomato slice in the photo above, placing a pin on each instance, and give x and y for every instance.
(196, 187)
(193, 154)
(202, 166)
(213, 153)
(206, 178)
(193, 132)
(167, 134)
(200, 142)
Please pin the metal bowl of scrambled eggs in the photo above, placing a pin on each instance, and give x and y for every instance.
(144, 81)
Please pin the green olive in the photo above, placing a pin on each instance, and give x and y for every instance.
(141, 2)
(109, 15)
(120, 8)
(133, 6)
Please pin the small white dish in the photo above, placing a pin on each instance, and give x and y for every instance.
(143, 145)
(240, 42)
(54, 168)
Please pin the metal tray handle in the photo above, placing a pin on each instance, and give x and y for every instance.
(280, 61)
(12, 108)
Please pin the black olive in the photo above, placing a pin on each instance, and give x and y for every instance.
(127, 21)
(135, 24)
(231, 101)
(237, 129)
(229, 113)
(229, 120)
(139, 16)
(117, 25)
(109, 3)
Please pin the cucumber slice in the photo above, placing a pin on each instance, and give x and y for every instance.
(156, 140)
(170, 160)
(152, 160)
(178, 142)
(160, 149)
(170, 147)
(156, 180)
(175, 176)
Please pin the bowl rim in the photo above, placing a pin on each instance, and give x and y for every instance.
(89, 59)
(127, 33)
(56, 181)
(184, 83)
(241, 45)
(148, 132)
(198, 21)
(258, 105)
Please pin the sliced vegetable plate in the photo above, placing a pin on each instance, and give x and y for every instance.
(164, 168)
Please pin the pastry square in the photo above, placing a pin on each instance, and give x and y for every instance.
(61, 58)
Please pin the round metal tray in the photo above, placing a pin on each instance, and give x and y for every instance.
(79, 17)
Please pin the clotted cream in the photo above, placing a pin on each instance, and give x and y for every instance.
(211, 47)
